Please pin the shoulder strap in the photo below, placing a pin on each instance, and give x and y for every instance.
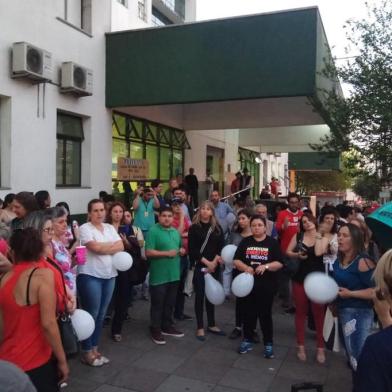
(54, 264)
(206, 240)
(28, 287)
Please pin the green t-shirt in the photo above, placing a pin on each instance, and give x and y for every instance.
(163, 269)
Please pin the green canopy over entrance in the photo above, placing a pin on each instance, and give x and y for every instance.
(249, 72)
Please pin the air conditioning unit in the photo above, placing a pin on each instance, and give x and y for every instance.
(76, 79)
(31, 62)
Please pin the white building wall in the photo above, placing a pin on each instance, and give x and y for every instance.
(227, 140)
(28, 124)
(125, 17)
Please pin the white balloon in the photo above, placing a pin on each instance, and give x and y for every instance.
(242, 284)
(227, 254)
(122, 261)
(83, 324)
(320, 288)
(214, 290)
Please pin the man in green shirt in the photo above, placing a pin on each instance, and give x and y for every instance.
(163, 249)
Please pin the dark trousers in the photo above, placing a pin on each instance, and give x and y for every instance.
(45, 377)
(120, 301)
(195, 198)
(180, 299)
(258, 305)
(199, 287)
(163, 298)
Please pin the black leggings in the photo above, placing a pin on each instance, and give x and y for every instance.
(198, 282)
(120, 301)
(45, 377)
(258, 305)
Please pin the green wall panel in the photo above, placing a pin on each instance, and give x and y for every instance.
(257, 56)
(312, 161)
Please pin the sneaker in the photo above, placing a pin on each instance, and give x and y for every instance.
(171, 331)
(268, 351)
(235, 333)
(157, 337)
(245, 347)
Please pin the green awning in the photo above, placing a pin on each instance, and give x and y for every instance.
(314, 161)
(249, 71)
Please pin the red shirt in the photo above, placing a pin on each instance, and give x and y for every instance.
(187, 225)
(61, 295)
(287, 234)
(24, 342)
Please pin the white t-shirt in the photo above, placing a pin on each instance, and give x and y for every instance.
(98, 265)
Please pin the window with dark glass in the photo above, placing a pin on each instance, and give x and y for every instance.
(162, 146)
(69, 150)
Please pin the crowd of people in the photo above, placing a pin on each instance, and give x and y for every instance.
(174, 241)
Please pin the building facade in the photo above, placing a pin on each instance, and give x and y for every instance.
(62, 138)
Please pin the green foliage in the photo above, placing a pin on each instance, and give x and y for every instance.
(367, 186)
(313, 181)
(362, 122)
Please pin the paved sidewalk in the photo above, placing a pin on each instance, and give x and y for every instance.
(185, 364)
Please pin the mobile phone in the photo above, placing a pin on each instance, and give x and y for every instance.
(124, 229)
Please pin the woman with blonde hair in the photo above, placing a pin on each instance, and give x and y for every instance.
(205, 244)
(374, 365)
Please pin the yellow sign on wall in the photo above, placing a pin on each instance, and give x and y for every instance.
(129, 169)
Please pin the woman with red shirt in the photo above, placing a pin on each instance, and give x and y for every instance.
(42, 222)
(30, 336)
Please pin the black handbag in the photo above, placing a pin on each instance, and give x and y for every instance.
(68, 336)
(291, 264)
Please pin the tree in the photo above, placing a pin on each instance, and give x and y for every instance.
(367, 186)
(362, 122)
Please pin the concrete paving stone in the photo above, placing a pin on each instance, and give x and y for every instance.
(101, 374)
(247, 380)
(182, 384)
(256, 361)
(215, 355)
(121, 353)
(201, 370)
(304, 372)
(110, 388)
(80, 384)
(281, 384)
(159, 361)
(141, 380)
(221, 388)
(137, 364)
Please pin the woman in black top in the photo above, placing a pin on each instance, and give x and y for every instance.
(203, 222)
(302, 247)
(260, 256)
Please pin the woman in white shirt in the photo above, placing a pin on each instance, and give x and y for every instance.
(96, 278)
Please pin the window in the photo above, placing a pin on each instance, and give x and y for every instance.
(142, 10)
(123, 2)
(78, 14)
(69, 150)
(158, 19)
(162, 146)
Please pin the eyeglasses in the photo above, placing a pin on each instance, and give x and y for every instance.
(48, 230)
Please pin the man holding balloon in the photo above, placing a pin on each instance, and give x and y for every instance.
(163, 249)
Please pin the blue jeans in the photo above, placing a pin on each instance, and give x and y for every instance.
(356, 324)
(94, 295)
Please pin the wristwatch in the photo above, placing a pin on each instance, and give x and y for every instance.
(267, 267)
